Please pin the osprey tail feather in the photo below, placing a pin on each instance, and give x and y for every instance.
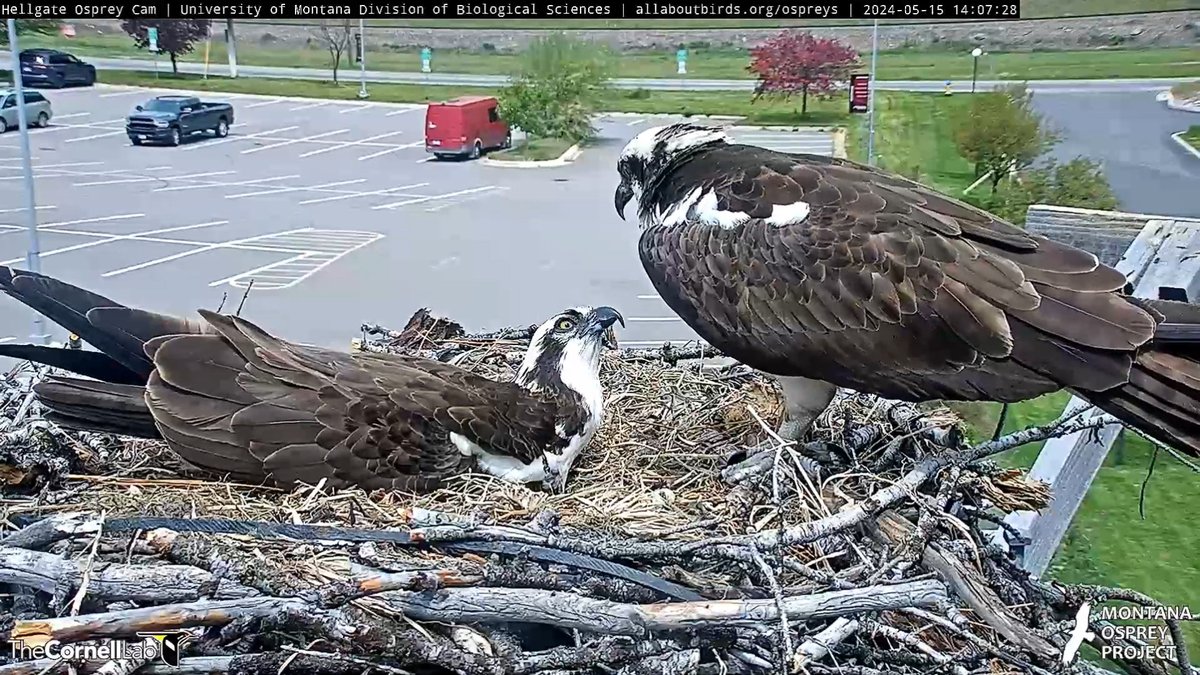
(1162, 396)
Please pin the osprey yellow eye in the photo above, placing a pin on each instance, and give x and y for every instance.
(565, 324)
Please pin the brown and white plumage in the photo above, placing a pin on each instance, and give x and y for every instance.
(231, 398)
(841, 274)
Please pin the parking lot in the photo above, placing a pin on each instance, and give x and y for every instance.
(328, 214)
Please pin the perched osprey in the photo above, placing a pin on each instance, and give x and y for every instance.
(828, 273)
(230, 398)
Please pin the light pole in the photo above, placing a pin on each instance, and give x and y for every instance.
(32, 256)
(362, 61)
(871, 96)
(975, 54)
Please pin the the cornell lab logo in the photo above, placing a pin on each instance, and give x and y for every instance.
(165, 646)
(1125, 641)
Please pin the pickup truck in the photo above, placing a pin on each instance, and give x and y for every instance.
(168, 119)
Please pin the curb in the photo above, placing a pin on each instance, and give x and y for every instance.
(304, 99)
(564, 159)
(1178, 136)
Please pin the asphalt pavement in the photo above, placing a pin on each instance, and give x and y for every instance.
(684, 83)
(328, 214)
(1130, 135)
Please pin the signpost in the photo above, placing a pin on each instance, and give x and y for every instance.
(152, 34)
(426, 57)
(681, 58)
(362, 60)
(860, 93)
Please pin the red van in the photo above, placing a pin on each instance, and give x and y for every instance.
(465, 126)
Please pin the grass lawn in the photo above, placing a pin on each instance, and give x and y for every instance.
(1192, 136)
(702, 63)
(637, 100)
(538, 149)
(1108, 543)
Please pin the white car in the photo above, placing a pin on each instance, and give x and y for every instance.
(37, 109)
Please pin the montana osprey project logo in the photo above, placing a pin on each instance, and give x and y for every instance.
(1078, 634)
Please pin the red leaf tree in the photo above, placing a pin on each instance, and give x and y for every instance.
(794, 62)
(175, 36)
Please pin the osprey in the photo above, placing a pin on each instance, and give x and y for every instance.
(827, 273)
(230, 398)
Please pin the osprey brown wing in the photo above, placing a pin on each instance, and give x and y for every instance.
(290, 413)
(885, 285)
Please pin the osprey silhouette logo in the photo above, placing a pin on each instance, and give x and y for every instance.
(1078, 634)
(169, 645)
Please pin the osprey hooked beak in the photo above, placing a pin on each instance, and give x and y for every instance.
(621, 198)
(601, 320)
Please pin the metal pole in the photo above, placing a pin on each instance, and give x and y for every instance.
(362, 61)
(231, 47)
(974, 72)
(33, 261)
(871, 97)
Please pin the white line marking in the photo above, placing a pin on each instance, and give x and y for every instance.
(23, 208)
(120, 93)
(263, 103)
(157, 168)
(124, 216)
(421, 161)
(190, 242)
(343, 111)
(55, 166)
(392, 149)
(69, 116)
(116, 237)
(419, 200)
(649, 297)
(88, 138)
(404, 110)
(356, 239)
(280, 190)
(213, 184)
(8, 339)
(184, 254)
(231, 138)
(634, 123)
(349, 143)
(319, 104)
(653, 318)
(163, 178)
(363, 194)
(294, 140)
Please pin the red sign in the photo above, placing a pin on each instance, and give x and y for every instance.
(860, 93)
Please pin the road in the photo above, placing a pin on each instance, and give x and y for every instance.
(660, 84)
(1131, 137)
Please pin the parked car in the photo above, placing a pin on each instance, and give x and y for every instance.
(55, 68)
(466, 126)
(168, 119)
(37, 109)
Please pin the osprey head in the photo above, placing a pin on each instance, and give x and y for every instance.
(564, 360)
(653, 151)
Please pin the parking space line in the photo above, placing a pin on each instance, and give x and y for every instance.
(230, 138)
(634, 123)
(55, 166)
(115, 94)
(23, 208)
(420, 200)
(101, 219)
(8, 339)
(422, 161)
(347, 144)
(280, 190)
(70, 115)
(294, 270)
(153, 178)
(389, 150)
(184, 254)
(95, 136)
(363, 194)
(212, 184)
(404, 110)
(343, 111)
(294, 140)
(116, 237)
(319, 104)
(263, 103)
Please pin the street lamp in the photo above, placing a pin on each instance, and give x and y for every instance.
(976, 53)
(362, 61)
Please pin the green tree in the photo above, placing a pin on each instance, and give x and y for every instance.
(1079, 183)
(24, 26)
(999, 131)
(554, 92)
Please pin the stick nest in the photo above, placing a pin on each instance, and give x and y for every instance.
(887, 514)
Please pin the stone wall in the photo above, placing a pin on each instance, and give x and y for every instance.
(1147, 30)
